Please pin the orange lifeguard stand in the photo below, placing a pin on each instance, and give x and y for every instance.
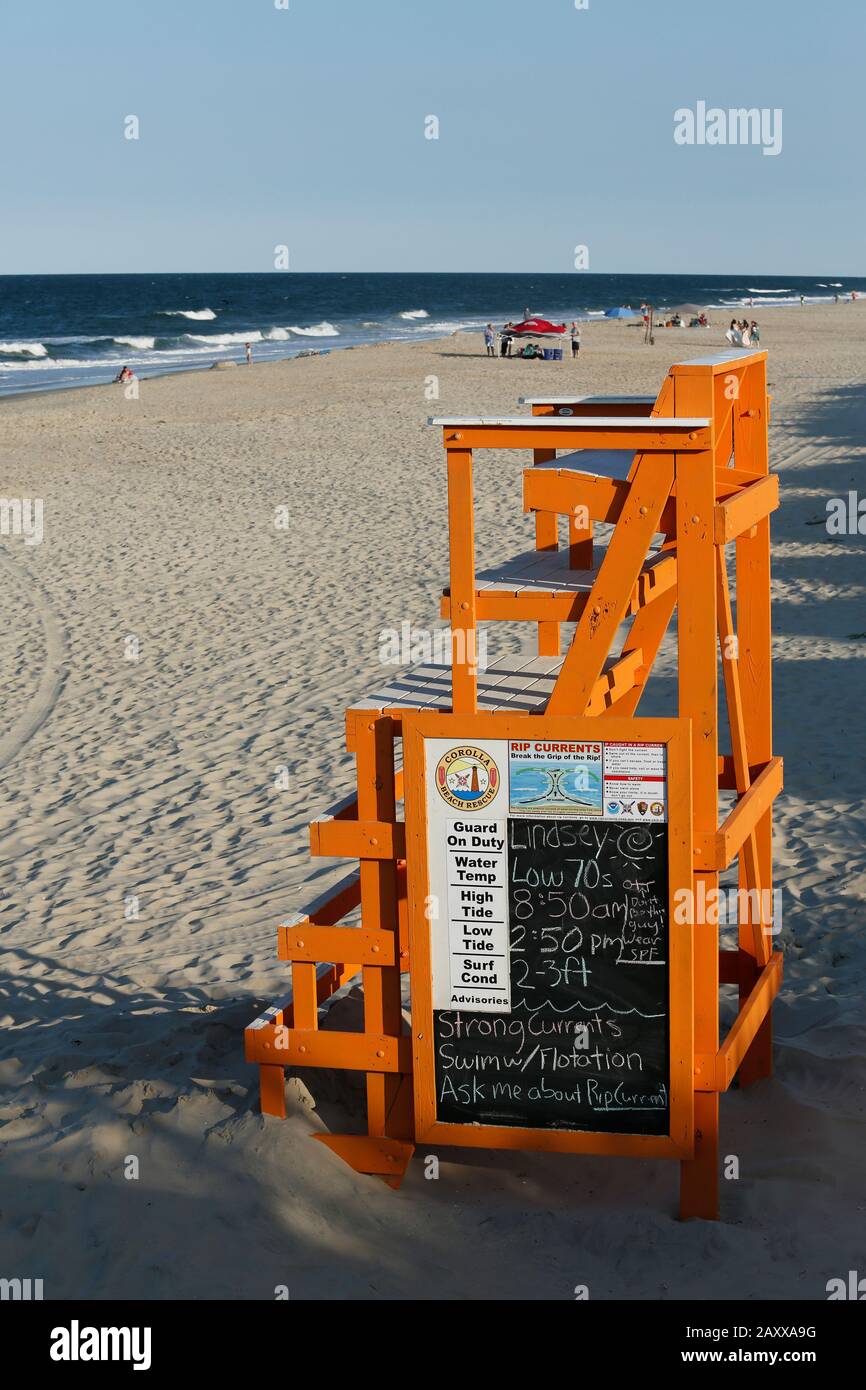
(680, 477)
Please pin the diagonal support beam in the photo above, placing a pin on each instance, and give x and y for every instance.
(736, 721)
(609, 600)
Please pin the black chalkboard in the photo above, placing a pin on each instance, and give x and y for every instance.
(586, 1044)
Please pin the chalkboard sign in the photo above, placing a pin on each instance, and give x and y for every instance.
(552, 984)
(585, 1042)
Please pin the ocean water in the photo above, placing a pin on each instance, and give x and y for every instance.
(77, 330)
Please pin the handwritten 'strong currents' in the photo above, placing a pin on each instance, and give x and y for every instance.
(585, 1045)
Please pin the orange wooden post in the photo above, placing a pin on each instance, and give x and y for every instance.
(581, 553)
(698, 700)
(755, 652)
(461, 541)
(546, 538)
(750, 874)
(272, 1091)
(382, 1003)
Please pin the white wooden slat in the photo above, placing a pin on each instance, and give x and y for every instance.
(587, 400)
(646, 423)
(595, 463)
(542, 571)
(721, 359)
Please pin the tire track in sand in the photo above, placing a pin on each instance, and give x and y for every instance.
(54, 675)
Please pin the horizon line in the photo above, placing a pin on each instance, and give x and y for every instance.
(563, 274)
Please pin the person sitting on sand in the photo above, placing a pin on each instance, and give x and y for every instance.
(125, 374)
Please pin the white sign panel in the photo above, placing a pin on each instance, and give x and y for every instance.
(467, 807)
(472, 789)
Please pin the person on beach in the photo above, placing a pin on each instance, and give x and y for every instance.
(802, 300)
(754, 332)
(505, 345)
(125, 374)
(490, 340)
(575, 339)
(249, 351)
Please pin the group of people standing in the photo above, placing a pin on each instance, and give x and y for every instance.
(743, 333)
(531, 349)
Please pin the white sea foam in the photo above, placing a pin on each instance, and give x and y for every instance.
(318, 330)
(53, 364)
(24, 349)
(758, 289)
(415, 314)
(277, 335)
(143, 344)
(224, 339)
(189, 314)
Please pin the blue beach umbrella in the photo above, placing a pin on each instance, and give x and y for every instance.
(621, 314)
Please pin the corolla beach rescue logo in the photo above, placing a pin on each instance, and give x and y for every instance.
(467, 778)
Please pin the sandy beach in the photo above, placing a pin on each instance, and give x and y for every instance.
(168, 649)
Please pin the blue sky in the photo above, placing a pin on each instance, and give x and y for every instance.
(305, 127)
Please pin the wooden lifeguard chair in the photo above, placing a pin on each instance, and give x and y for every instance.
(679, 477)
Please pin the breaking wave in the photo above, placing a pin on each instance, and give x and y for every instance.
(415, 314)
(224, 339)
(203, 314)
(143, 344)
(24, 349)
(318, 330)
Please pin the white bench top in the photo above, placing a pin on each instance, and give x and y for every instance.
(519, 684)
(546, 570)
(596, 463)
(589, 422)
(586, 400)
(515, 683)
(721, 359)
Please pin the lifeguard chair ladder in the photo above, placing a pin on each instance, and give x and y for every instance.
(690, 467)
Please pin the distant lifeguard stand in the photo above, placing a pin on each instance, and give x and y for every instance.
(679, 477)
